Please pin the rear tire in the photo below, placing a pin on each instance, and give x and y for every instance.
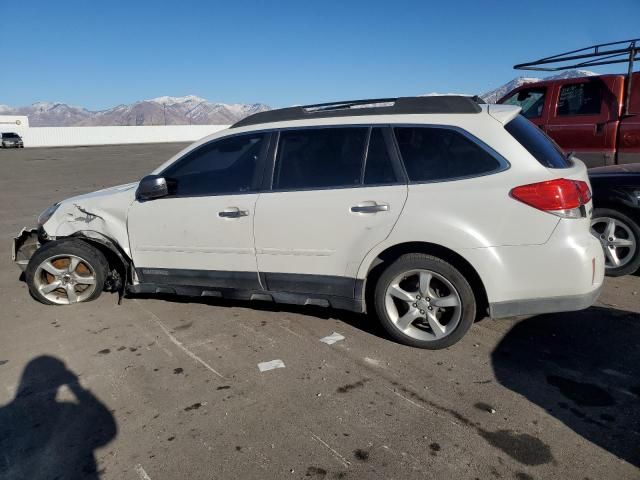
(65, 272)
(425, 302)
(619, 236)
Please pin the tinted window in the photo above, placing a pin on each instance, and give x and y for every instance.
(537, 143)
(378, 168)
(441, 153)
(9, 135)
(222, 166)
(319, 158)
(531, 100)
(580, 99)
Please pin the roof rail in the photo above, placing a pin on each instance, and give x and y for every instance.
(624, 51)
(376, 106)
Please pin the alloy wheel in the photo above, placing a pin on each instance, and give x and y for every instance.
(65, 279)
(617, 239)
(423, 305)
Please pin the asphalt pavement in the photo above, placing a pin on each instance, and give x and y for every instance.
(171, 388)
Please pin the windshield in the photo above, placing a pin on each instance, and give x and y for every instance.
(537, 143)
(9, 135)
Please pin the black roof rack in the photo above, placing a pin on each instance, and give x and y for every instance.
(625, 51)
(376, 106)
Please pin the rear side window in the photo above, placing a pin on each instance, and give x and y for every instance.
(319, 158)
(530, 100)
(537, 143)
(431, 154)
(580, 99)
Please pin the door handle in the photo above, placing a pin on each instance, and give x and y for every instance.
(370, 207)
(233, 212)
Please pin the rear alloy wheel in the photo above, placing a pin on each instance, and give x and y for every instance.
(424, 302)
(619, 237)
(66, 272)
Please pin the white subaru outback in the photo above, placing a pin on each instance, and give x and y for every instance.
(431, 212)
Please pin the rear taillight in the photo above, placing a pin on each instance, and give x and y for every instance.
(561, 197)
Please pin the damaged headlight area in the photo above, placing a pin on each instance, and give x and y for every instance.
(47, 214)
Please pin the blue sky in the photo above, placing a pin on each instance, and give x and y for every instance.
(102, 53)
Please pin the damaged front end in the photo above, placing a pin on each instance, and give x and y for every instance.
(98, 219)
(25, 245)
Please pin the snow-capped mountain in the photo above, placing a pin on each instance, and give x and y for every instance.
(167, 110)
(493, 96)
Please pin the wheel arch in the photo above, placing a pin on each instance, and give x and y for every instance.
(117, 258)
(632, 213)
(392, 253)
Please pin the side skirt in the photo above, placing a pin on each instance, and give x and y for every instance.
(295, 289)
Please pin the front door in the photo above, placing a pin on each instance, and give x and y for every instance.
(336, 193)
(584, 120)
(202, 233)
(534, 102)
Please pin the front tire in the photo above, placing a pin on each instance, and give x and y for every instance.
(66, 271)
(620, 239)
(424, 301)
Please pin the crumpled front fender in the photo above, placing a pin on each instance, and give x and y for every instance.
(24, 246)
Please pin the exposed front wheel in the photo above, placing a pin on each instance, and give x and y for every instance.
(65, 272)
(424, 302)
(619, 236)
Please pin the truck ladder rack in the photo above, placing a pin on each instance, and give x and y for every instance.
(625, 51)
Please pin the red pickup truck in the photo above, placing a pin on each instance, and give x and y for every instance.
(597, 118)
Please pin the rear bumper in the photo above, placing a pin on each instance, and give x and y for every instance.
(538, 306)
(564, 274)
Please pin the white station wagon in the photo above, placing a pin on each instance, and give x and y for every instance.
(429, 212)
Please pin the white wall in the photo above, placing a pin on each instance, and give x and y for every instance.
(9, 122)
(72, 136)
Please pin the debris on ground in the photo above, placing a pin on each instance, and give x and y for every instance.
(333, 338)
(266, 366)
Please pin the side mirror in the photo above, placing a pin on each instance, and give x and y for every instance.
(152, 186)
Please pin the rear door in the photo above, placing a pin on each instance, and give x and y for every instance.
(629, 134)
(584, 119)
(336, 193)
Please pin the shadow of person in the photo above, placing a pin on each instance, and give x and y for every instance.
(43, 437)
(584, 369)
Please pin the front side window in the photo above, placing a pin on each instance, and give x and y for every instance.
(531, 100)
(319, 158)
(224, 166)
(431, 154)
(580, 99)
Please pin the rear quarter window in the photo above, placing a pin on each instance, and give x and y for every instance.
(537, 143)
(438, 154)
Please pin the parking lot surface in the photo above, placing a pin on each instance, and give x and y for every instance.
(170, 388)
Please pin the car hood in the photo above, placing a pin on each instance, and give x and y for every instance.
(628, 169)
(104, 211)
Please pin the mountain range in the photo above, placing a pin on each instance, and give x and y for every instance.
(190, 109)
(156, 111)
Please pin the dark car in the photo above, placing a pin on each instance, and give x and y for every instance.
(616, 216)
(11, 140)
